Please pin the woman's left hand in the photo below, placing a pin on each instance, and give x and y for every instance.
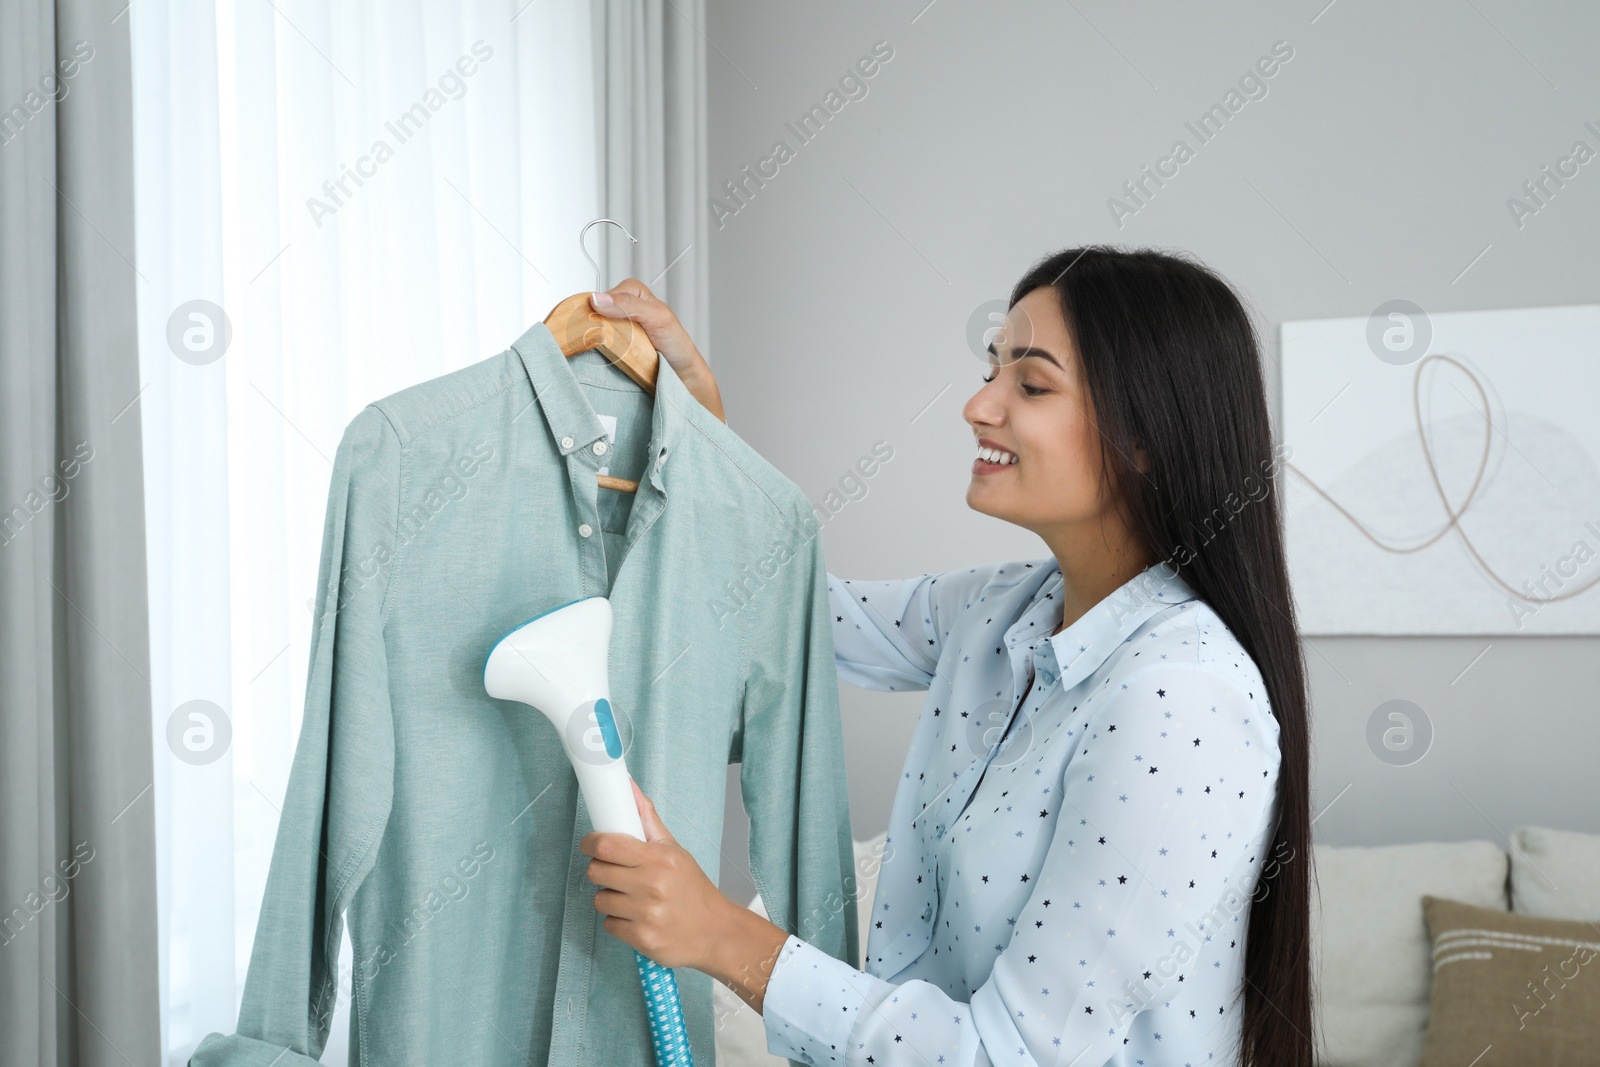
(655, 896)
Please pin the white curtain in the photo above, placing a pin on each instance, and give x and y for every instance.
(373, 195)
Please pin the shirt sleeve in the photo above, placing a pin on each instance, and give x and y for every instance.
(887, 635)
(792, 766)
(341, 781)
(1170, 789)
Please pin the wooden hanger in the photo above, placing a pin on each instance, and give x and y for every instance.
(577, 327)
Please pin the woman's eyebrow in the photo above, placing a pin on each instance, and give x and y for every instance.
(1024, 353)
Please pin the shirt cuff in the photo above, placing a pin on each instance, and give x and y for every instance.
(812, 1003)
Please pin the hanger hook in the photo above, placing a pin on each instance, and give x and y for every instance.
(581, 233)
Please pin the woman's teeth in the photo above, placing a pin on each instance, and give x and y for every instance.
(994, 455)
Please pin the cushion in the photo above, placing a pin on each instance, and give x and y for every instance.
(1555, 874)
(1510, 990)
(741, 1035)
(1370, 945)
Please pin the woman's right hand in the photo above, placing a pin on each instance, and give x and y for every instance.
(632, 299)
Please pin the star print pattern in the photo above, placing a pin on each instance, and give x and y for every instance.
(1076, 835)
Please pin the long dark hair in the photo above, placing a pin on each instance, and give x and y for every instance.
(1172, 363)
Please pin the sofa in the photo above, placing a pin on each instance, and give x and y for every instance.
(1372, 956)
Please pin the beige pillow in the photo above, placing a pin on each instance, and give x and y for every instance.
(1555, 874)
(1510, 990)
(1370, 946)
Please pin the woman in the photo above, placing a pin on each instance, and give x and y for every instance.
(1112, 867)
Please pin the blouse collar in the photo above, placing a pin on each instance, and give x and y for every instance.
(1089, 641)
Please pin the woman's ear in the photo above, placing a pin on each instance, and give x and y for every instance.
(1140, 457)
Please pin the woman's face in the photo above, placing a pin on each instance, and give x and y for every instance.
(1036, 405)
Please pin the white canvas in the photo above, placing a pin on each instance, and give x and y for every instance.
(1533, 520)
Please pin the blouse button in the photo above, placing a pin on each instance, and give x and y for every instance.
(566, 442)
(599, 448)
(585, 529)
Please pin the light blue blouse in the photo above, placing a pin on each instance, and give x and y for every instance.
(1086, 903)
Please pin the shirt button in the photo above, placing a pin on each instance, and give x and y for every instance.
(599, 448)
(566, 442)
(586, 529)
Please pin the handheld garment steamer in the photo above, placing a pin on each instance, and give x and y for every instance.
(556, 662)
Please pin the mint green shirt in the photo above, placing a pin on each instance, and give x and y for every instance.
(442, 824)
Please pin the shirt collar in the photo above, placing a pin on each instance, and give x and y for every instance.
(571, 419)
(1089, 641)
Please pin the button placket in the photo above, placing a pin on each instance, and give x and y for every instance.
(586, 494)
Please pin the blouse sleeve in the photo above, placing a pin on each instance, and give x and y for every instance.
(887, 635)
(1168, 796)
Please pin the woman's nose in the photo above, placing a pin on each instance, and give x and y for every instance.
(983, 407)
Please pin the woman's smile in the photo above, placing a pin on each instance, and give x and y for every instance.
(992, 458)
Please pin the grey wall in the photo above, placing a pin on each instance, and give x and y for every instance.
(1378, 165)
